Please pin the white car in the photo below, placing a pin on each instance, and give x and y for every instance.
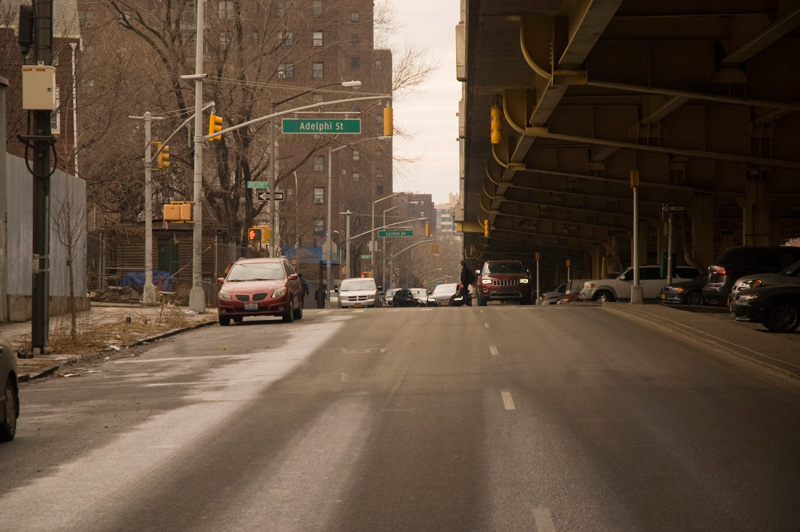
(359, 292)
(650, 280)
(421, 295)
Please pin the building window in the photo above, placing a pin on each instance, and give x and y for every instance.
(356, 39)
(317, 70)
(223, 40)
(355, 62)
(319, 226)
(356, 156)
(286, 71)
(319, 163)
(356, 176)
(319, 194)
(290, 194)
(86, 18)
(354, 16)
(316, 39)
(283, 6)
(379, 174)
(379, 191)
(286, 38)
(316, 7)
(225, 9)
(378, 63)
(55, 116)
(255, 37)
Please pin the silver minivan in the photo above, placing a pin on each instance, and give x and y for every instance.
(359, 292)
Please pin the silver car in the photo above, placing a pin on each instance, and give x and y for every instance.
(9, 400)
(359, 292)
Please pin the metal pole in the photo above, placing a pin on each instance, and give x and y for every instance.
(149, 293)
(272, 231)
(636, 288)
(372, 241)
(538, 287)
(329, 240)
(197, 298)
(348, 269)
(669, 251)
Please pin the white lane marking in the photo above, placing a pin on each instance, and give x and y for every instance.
(508, 401)
(486, 324)
(543, 520)
(493, 350)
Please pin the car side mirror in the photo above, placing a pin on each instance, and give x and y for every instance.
(221, 280)
(293, 276)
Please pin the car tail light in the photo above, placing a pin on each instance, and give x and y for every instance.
(719, 270)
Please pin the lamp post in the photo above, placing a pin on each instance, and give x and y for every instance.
(348, 270)
(383, 244)
(372, 232)
(272, 175)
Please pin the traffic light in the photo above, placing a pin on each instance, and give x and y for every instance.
(427, 229)
(163, 157)
(254, 234)
(388, 122)
(154, 147)
(486, 228)
(214, 125)
(497, 124)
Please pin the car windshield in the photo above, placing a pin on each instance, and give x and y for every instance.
(256, 271)
(357, 284)
(793, 270)
(444, 289)
(505, 267)
(419, 292)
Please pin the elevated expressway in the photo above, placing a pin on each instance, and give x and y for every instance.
(701, 98)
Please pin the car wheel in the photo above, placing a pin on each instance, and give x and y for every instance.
(224, 321)
(238, 319)
(694, 298)
(604, 295)
(8, 428)
(782, 317)
(298, 312)
(288, 316)
(482, 301)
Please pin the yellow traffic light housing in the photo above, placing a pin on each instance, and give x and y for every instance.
(497, 124)
(388, 122)
(214, 126)
(163, 157)
(486, 228)
(427, 229)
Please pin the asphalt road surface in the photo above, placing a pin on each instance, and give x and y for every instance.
(498, 418)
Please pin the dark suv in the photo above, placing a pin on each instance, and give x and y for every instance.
(739, 261)
(503, 280)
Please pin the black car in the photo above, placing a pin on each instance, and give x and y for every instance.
(9, 391)
(684, 292)
(404, 298)
(776, 306)
(739, 261)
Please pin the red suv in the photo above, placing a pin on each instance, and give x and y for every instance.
(503, 280)
(260, 287)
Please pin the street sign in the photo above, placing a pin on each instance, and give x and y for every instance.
(258, 184)
(366, 256)
(317, 125)
(396, 232)
(666, 207)
(264, 196)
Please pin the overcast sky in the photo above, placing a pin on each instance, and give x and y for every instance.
(431, 113)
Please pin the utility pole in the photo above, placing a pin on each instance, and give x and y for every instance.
(36, 27)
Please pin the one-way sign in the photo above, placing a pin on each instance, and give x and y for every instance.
(264, 195)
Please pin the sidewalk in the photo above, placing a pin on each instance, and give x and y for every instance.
(111, 327)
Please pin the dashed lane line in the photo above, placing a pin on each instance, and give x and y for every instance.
(508, 401)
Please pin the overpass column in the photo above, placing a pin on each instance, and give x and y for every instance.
(703, 229)
(755, 211)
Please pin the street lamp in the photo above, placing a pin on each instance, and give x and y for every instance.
(372, 233)
(273, 229)
(383, 244)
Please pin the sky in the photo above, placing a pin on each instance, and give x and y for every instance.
(431, 113)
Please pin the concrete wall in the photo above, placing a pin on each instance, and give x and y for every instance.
(17, 184)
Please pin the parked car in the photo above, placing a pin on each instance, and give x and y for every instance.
(503, 280)
(789, 275)
(421, 295)
(650, 279)
(260, 287)
(568, 298)
(404, 298)
(390, 295)
(440, 297)
(358, 292)
(551, 296)
(739, 261)
(685, 292)
(9, 400)
(776, 306)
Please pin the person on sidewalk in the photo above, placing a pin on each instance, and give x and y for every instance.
(467, 278)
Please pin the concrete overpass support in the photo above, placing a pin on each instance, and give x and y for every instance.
(702, 230)
(756, 225)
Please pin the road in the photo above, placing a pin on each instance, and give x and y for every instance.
(498, 418)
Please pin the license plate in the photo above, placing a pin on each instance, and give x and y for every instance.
(357, 305)
(251, 306)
